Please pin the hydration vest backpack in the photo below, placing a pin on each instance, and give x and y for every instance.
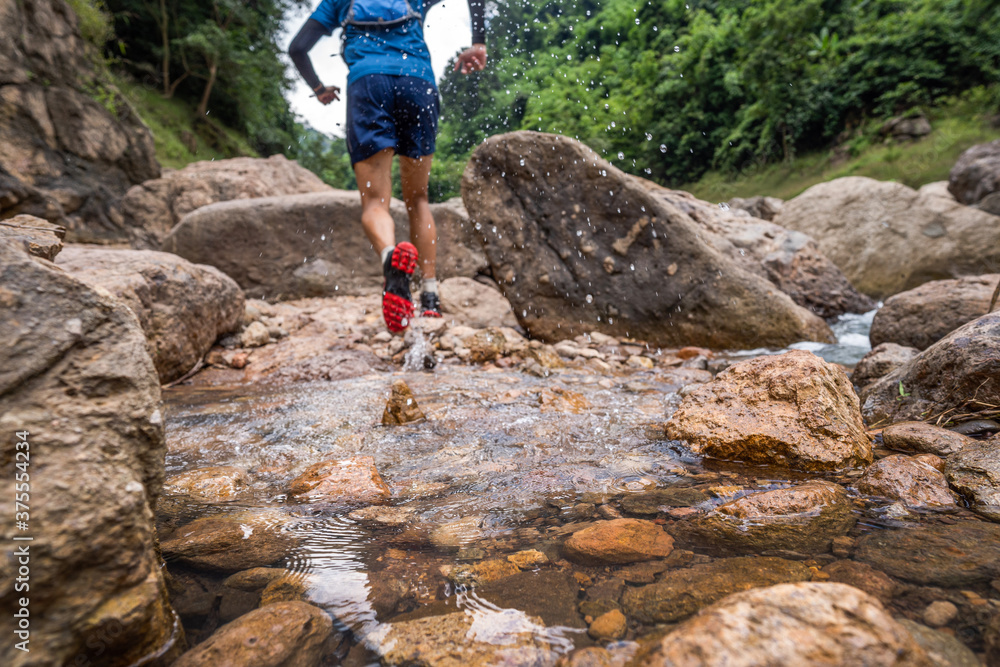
(379, 13)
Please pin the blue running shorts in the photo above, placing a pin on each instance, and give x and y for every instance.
(386, 111)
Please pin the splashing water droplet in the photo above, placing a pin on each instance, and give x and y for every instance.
(663, 148)
(724, 206)
(590, 299)
(621, 156)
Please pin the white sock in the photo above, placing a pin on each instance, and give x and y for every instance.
(430, 285)
(386, 251)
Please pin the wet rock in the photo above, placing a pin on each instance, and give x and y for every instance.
(549, 594)
(217, 484)
(558, 399)
(887, 237)
(976, 174)
(462, 253)
(77, 381)
(507, 637)
(531, 193)
(545, 356)
(861, 576)
(255, 335)
(904, 479)
(471, 303)
(991, 641)
(350, 481)
(803, 518)
(483, 572)
(940, 612)
(653, 502)
(944, 650)
(761, 207)
(40, 237)
(792, 410)
(254, 579)
(230, 542)
(182, 307)
(975, 473)
(880, 361)
(961, 372)
(528, 559)
(949, 556)
(287, 634)
(401, 407)
(617, 542)
(609, 626)
(920, 437)
(456, 534)
(975, 427)
(681, 593)
(791, 624)
(290, 587)
(591, 656)
(379, 515)
(486, 345)
(922, 316)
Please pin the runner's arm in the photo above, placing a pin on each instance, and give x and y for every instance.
(477, 11)
(298, 50)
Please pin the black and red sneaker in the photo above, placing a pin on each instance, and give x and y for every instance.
(397, 304)
(430, 304)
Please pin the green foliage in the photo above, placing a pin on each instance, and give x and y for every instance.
(326, 157)
(95, 21)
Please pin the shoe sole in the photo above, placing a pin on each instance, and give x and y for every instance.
(397, 311)
(430, 313)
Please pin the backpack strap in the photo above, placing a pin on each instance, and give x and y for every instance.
(372, 21)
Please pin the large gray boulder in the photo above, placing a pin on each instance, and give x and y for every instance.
(182, 307)
(153, 208)
(975, 178)
(578, 246)
(77, 381)
(924, 315)
(887, 237)
(64, 156)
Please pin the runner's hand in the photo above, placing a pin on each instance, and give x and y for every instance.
(327, 94)
(473, 59)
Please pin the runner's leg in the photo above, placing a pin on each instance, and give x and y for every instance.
(374, 176)
(414, 174)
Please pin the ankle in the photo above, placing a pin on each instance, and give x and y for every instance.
(430, 285)
(385, 252)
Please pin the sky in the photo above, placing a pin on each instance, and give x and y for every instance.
(447, 30)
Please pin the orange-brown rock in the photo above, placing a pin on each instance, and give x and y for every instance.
(485, 345)
(792, 410)
(231, 542)
(214, 484)
(617, 542)
(40, 237)
(558, 399)
(904, 479)
(865, 577)
(609, 626)
(402, 407)
(923, 438)
(350, 481)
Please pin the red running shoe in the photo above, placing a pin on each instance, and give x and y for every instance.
(397, 303)
(430, 304)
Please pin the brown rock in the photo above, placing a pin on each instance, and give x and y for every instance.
(290, 587)
(156, 206)
(609, 626)
(591, 656)
(880, 361)
(920, 437)
(460, 252)
(216, 484)
(255, 578)
(182, 307)
(486, 345)
(354, 481)
(483, 572)
(791, 624)
(764, 208)
(976, 174)
(862, 576)
(922, 316)
(286, 634)
(904, 479)
(681, 593)
(545, 356)
(468, 302)
(803, 518)
(231, 542)
(975, 473)
(617, 542)
(959, 372)
(40, 237)
(792, 410)
(77, 381)
(401, 407)
(554, 217)
(887, 237)
(528, 559)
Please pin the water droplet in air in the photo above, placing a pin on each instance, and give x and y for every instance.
(724, 206)
(663, 148)
(677, 49)
(522, 162)
(621, 156)
(590, 299)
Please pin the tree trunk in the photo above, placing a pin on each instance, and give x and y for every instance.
(203, 104)
(168, 90)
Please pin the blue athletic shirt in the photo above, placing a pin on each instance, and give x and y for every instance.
(399, 50)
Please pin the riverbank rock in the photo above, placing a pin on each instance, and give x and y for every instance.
(888, 238)
(352, 481)
(40, 237)
(864, 577)
(617, 542)
(975, 473)
(906, 480)
(880, 361)
(791, 624)
(577, 246)
(958, 374)
(680, 593)
(803, 518)
(950, 556)
(284, 634)
(459, 251)
(64, 156)
(792, 410)
(924, 315)
(155, 206)
(77, 382)
(470, 303)
(401, 408)
(943, 649)
(761, 207)
(182, 307)
(975, 178)
(923, 438)
(215, 484)
(231, 542)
